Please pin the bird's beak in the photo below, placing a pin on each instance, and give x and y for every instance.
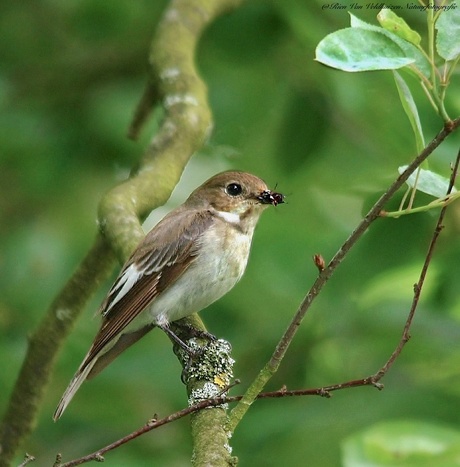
(271, 197)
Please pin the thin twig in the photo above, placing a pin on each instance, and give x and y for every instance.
(155, 423)
(272, 365)
(143, 110)
(419, 285)
(152, 424)
(28, 458)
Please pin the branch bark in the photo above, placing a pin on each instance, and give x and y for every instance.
(174, 82)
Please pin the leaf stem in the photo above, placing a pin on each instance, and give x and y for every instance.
(436, 79)
(438, 203)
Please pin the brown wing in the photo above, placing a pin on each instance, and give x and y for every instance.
(157, 263)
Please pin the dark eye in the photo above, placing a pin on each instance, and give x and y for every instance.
(234, 189)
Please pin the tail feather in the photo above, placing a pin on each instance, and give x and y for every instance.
(96, 363)
(72, 388)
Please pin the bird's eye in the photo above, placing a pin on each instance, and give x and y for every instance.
(234, 189)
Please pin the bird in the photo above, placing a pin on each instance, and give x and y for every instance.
(190, 259)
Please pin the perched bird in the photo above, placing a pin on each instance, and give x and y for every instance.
(191, 258)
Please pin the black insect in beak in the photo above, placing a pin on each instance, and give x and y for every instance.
(271, 197)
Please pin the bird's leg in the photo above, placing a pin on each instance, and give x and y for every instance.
(194, 332)
(190, 352)
(193, 354)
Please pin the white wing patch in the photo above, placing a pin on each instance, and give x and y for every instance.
(123, 285)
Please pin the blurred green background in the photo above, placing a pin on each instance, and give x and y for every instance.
(71, 74)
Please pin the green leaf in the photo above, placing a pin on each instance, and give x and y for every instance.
(356, 49)
(448, 37)
(410, 108)
(409, 49)
(393, 23)
(402, 444)
(428, 182)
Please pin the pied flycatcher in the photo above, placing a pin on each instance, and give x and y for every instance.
(191, 258)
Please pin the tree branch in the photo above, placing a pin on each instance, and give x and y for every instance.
(186, 125)
(419, 285)
(44, 344)
(272, 365)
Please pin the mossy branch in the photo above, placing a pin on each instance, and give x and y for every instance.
(20, 417)
(175, 84)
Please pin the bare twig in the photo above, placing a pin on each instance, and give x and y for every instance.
(28, 458)
(419, 285)
(272, 365)
(152, 424)
(143, 110)
(155, 423)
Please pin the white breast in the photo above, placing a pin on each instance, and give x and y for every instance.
(218, 267)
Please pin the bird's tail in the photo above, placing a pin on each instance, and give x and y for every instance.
(94, 363)
(72, 388)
